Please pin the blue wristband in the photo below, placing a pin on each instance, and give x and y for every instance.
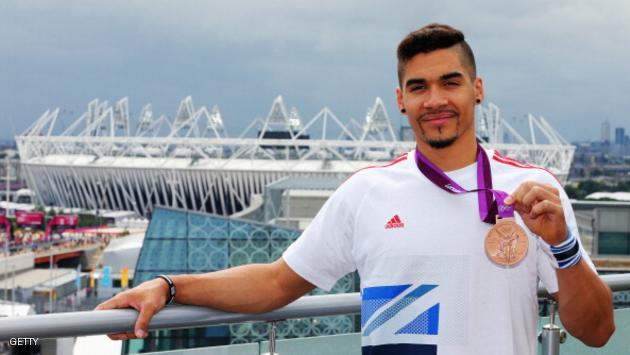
(568, 252)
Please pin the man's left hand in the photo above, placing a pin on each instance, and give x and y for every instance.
(540, 207)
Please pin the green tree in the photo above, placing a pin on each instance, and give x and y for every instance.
(39, 208)
(574, 192)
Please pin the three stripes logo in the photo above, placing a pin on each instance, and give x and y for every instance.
(394, 222)
(381, 304)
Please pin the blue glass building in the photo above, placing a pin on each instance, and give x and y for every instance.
(185, 242)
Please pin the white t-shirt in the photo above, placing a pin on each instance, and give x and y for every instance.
(427, 285)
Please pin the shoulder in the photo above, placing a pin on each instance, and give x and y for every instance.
(361, 180)
(516, 169)
(384, 169)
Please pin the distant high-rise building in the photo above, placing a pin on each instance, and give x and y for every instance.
(620, 134)
(605, 131)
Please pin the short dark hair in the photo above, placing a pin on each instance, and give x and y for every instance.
(430, 38)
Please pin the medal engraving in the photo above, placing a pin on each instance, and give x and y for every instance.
(506, 243)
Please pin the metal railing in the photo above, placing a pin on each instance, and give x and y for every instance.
(122, 320)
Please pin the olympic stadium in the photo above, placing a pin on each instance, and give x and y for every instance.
(104, 160)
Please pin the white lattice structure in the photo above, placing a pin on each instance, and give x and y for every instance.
(98, 163)
(545, 146)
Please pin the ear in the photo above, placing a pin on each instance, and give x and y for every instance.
(478, 88)
(399, 99)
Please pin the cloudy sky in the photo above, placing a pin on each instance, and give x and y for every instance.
(568, 61)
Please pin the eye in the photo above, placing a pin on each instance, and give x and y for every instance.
(452, 83)
(417, 88)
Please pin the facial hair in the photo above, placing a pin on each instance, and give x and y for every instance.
(440, 143)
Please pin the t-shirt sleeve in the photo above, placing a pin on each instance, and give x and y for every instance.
(547, 263)
(323, 253)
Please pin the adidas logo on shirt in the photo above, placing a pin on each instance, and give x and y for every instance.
(395, 222)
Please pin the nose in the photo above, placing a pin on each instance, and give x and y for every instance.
(435, 99)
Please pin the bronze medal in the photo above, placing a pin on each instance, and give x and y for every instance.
(506, 243)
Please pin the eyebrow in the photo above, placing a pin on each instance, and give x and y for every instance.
(452, 75)
(447, 76)
(414, 82)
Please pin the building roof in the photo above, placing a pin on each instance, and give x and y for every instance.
(309, 193)
(40, 277)
(123, 251)
(119, 214)
(312, 183)
(14, 309)
(619, 196)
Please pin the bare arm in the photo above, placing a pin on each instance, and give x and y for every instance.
(585, 301)
(585, 304)
(254, 288)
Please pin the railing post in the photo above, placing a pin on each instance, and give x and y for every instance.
(272, 338)
(551, 335)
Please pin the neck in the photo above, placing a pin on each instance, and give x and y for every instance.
(461, 153)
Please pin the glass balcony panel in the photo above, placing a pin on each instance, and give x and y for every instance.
(342, 344)
(350, 344)
(617, 345)
(235, 349)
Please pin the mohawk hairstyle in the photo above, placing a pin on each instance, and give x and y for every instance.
(430, 38)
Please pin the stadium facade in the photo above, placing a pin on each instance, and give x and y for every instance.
(103, 161)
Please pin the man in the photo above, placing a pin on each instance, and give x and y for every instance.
(431, 281)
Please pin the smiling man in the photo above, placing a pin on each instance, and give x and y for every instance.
(450, 239)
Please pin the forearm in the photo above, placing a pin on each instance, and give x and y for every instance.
(585, 304)
(253, 288)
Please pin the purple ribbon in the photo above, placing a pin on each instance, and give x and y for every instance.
(491, 202)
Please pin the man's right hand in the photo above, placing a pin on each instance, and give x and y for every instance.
(253, 288)
(147, 298)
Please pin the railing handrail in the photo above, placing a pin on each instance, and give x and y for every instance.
(68, 324)
(73, 324)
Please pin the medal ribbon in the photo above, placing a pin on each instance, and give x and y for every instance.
(489, 207)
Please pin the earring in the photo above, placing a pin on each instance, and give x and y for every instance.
(402, 110)
(478, 101)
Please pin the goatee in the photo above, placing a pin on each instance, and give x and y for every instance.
(441, 143)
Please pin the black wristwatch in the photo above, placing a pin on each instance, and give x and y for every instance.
(171, 288)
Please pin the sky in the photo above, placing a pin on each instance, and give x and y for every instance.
(567, 61)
